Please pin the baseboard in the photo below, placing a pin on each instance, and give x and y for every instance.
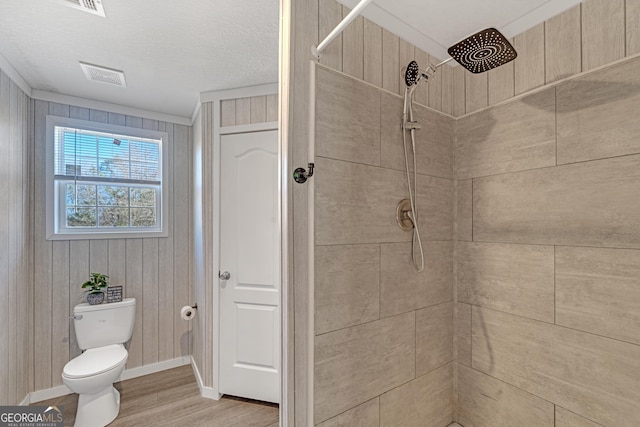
(138, 371)
(152, 368)
(207, 392)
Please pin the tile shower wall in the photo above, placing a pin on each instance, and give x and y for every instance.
(384, 333)
(153, 270)
(16, 274)
(548, 244)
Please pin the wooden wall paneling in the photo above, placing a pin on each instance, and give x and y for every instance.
(243, 111)
(407, 54)
(421, 94)
(329, 16)
(563, 49)
(258, 109)
(117, 119)
(228, 112)
(150, 300)
(390, 61)
(501, 82)
(43, 260)
(30, 162)
(435, 87)
(372, 53)
(459, 91)
(79, 112)
(98, 256)
(632, 26)
(134, 122)
(6, 395)
(272, 108)
(14, 237)
(529, 66)
(603, 40)
(99, 116)
(181, 227)
(117, 264)
(353, 46)
(134, 290)
(79, 269)
(60, 310)
(476, 91)
(447, 89)
(166, 310)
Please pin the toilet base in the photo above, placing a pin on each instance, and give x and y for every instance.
(98, 409)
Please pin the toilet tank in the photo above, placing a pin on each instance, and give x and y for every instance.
(104, 324)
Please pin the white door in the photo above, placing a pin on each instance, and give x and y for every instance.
(250, 252)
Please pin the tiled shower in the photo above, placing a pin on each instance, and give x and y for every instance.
(528, 312)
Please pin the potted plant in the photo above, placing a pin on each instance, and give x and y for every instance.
(95, 287)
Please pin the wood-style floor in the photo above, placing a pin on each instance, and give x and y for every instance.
(171, 398)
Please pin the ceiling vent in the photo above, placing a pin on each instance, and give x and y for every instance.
(103, 75)
(91, 6)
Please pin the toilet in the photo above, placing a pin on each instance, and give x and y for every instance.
(101, 331)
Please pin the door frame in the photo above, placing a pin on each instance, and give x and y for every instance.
(216, 98)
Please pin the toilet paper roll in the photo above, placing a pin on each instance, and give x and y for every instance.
(187, 312)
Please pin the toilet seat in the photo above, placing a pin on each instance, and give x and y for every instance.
(96, 361)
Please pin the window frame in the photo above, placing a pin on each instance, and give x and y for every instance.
(55, 201)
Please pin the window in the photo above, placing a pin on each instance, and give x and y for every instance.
(104, 181)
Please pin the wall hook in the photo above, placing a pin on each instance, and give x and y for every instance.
(300, 175)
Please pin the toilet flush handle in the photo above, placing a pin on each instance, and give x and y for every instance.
(76, 317)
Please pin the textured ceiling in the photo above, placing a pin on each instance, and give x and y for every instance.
(170, 50)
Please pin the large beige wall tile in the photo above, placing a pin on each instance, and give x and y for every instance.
(435, 208)
(447, 90)
(423, 402)
(598, 114)
(434, 337)
(632, 13)
(516, 136)
(583, 204)
(357, 203)
(566, 418)
(403, 289)
(603, 36)
(563, 45)
(598, 291)
(391, 61)
(353, 46)
(347, 118)
(356, 364)
(365, 415)
(517, 279)
(434, 141)
(330, 15)
(529, 65)
(484, 401)
(587, 374)
(464, 209)
(463, 333)
(347, 281)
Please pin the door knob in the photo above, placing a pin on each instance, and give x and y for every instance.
(224, 275)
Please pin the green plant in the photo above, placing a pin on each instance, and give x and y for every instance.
(96, 283)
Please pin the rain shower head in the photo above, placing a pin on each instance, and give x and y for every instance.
(411, 74)
(483, 51)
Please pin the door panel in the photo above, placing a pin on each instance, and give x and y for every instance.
(250, 251)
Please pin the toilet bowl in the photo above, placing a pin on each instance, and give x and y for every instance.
(101, 330)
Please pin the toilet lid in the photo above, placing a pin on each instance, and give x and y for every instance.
(95, 361)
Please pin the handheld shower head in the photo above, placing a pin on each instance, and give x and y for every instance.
(411, 74)
(483, 51)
